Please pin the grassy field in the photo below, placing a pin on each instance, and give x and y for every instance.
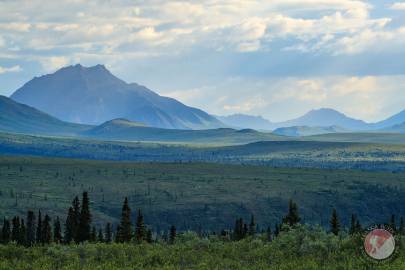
(193, 194)
(301, 248)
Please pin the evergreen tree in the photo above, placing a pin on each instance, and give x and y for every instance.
(125, 233)
(252, 226)
(140, 230)
(39, 229)
(15, 232)
(70, 227)
(75, 218)
(238, 232)
(276, 230)
(268, 234)
(334, 223)
(93, 235)
(30, 229)
(359, 228)
(46, 230)
(149, 236)
(57, 231)
(22, 240)
(108, 233)
(118, 234)
(172, 237)
(402, 226)
(292, 218)
(84, 229)
(353, 222)
(6, 231)
(393, 224)
(100, 236)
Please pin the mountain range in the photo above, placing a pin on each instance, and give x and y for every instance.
(92, 95)
(90, 101)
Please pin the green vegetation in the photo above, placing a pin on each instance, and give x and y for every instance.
(300, 248)
(190, 195)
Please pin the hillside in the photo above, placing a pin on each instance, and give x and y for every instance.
(124, 130)
(19, 118)
(246, 121)
(307, 131)
(92, 95)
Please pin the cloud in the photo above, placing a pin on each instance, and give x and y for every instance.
(10, 69)
(54, 63)
(398, 6)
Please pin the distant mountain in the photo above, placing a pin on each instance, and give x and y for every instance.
(326, 118)
(307, 131)
(394, 120)
(246, 121)
(92, 95)
(19, 118)
(395, 129)
(125, 130)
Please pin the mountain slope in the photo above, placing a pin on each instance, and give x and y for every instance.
(307, 131)
(124, 130)
(19, 118)
(394, 120)
(246, 121)
(326, 118)
(400, 128)
(93, 95)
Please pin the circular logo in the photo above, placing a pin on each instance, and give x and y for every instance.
(379, 244)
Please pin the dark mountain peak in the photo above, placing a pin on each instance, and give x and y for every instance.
(93, 95)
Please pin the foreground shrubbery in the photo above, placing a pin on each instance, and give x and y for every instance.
(299, 248)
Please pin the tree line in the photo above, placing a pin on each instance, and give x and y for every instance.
(38, 230)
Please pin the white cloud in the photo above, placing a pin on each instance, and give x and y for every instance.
(398, 6)
(54, 63)
(10, 69)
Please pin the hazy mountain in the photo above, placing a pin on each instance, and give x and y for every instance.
(93, 95)
(19, 118)
(395, 128)
(246, 121)
(307, 131)
(326, 118)
(394, 120)
(125, 130)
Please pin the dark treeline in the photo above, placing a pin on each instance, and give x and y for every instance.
(77, 228)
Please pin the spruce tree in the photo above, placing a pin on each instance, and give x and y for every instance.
(84, 229)
(15, 232)
(22, 239)
(149, 236)
(38, 236)
(252, 226)
(353, 222)
(108, 233)
(125, 225)
(401, 229)
(93, 235)
(140, 230)
(30, 228)
(276, 230)
(392, 224)
(100, 236)
(6, 231)
(268, 234)
(70, 228)
(172, 236)
(292, 218)
(57, 231)
(334, 223)
(46, 230)
(75, 218)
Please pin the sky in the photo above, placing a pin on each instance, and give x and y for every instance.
(275, 58)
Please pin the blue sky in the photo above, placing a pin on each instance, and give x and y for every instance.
(277, 58)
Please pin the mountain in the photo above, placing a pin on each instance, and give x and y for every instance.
(326, 118)
(394, 120)
(20, 118)
(395, 129)
(307, 131)
(125, 130)
(93, 95)
(246, 121)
